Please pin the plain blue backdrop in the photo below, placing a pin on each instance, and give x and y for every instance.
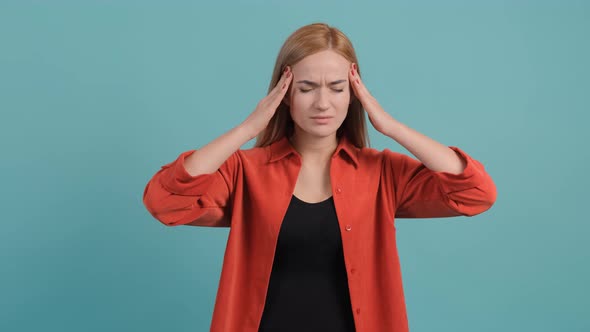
(96, 96)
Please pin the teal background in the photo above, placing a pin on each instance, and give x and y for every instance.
(96, 96)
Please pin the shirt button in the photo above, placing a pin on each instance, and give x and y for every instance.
(358, 310)
(352, 270)
(338, 190)
(348, 227)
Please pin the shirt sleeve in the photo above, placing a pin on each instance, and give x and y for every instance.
(422, 193)
(174, 197)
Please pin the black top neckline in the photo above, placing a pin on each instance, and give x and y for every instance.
(314, 204)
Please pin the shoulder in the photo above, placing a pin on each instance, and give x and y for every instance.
(372, 155)
(255, 155)
(385, 159)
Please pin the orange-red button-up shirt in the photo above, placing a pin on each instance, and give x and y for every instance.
(250, 193)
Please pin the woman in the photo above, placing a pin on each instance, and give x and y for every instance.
(312, 244)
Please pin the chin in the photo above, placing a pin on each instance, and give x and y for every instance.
(322, 132)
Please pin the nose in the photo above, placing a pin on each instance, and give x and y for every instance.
(322, 101)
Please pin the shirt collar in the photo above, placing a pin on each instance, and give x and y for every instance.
(283, 148)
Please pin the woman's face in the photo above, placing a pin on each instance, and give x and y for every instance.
(320, 88)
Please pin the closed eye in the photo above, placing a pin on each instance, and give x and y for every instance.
(304, 91)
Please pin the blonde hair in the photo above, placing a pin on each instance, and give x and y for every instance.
(305, 41)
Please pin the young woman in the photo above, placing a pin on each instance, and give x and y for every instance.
(312, 244)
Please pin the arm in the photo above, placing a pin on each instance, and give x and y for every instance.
(422, 193)
(195, 188)
(444, 182)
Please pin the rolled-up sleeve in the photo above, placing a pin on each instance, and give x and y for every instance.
(174, 197)
(422, 193)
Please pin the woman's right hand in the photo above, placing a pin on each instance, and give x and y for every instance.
(266, 108)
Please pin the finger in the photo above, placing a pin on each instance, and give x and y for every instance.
(353, 77)
(285, 79)
(358, 84)
(277, 88)
(280, 94)
(273, 99)
(282, 86)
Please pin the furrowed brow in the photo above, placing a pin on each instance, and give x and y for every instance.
(316, 84)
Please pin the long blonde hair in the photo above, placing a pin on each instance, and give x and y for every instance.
(305, 41)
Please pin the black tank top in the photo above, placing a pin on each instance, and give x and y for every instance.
(308, 288)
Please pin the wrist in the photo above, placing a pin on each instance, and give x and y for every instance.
(246, 130)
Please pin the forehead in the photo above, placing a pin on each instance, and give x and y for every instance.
(321, 63)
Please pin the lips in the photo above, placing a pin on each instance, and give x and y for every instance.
(322, 120)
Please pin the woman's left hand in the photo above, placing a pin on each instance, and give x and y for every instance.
(380, 119)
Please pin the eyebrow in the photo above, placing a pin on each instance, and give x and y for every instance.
(316, 84)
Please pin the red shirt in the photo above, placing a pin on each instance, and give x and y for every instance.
(252, 189)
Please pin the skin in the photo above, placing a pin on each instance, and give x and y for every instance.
(317, 142)
(434, 155)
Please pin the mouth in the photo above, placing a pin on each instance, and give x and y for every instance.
(322, 120)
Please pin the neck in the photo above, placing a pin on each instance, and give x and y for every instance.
(314, 149)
